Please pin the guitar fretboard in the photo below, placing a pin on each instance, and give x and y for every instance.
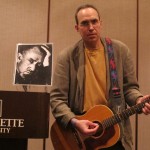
(116, 118)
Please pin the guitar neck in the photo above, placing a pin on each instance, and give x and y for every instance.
(116, 118)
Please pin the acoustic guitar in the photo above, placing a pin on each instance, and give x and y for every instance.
(107, 135)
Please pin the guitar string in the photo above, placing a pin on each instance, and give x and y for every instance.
(116, 118)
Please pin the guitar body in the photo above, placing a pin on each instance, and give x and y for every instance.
(64, 139)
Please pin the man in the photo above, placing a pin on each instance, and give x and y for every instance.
(32, 61)
(82, 79)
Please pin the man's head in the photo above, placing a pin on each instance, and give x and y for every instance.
(30, 58)
(88, 24)
(84, 7)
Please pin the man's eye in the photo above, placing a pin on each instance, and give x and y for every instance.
(85, 23)
(31, 61)
(95, 21)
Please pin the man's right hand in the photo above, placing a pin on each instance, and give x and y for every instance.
(85, 127)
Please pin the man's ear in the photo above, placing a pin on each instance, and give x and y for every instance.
(101, 24)
(19, 57)
(76, 27)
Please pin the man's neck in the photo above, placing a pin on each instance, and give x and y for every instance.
(93, 45)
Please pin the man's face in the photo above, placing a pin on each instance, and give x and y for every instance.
(89, 25)
(28, 62)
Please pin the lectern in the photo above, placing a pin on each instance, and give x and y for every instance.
(23, 115)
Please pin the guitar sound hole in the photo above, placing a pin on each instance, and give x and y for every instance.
(100, 129)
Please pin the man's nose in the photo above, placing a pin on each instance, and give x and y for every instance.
(32, 67)
(91, 26)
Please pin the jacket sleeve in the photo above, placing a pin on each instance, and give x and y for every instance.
(60, 89)
(130, 84)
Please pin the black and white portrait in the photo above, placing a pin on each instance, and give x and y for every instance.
(33, 64)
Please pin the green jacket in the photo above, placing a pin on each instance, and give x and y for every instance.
(68, 84)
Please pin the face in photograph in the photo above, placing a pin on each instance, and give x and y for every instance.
(29, 61)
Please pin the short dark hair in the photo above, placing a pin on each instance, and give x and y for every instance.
(24, 48)
(83, 7)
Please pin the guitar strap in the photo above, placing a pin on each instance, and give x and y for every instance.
(112, 68)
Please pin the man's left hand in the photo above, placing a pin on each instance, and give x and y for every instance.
(146, 108)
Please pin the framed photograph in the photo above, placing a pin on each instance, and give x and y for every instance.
(33, 64)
